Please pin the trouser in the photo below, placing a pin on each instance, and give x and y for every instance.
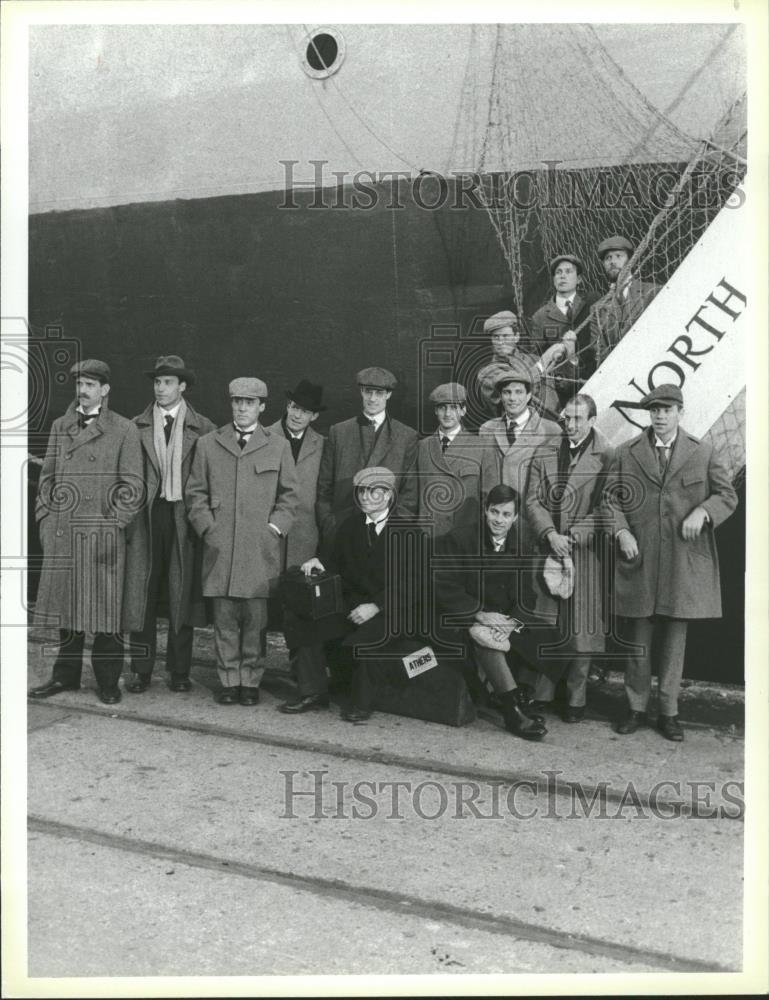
(661, 644)
(493, 662)
(576, 682)
(239, 627)
(106, 658)
(308, 664)
(164, 549)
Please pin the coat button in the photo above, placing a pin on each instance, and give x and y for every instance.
(91, 458)
(59, 534)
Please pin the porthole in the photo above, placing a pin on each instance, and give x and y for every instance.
(323, 53)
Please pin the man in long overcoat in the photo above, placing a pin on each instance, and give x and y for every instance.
(91, 488)
(566, 516)
(373, 438)
(241, 498)
(448, 465)
(164, 555)
(667, 491)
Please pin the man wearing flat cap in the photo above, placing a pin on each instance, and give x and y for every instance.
(164, 556)
(373, 438)
(504, 330)
(614, 314)
(241, 499)
(566, 311)
(448, 466)
(91, 488)
(666, 493)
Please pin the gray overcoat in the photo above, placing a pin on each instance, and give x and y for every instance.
(449, 484)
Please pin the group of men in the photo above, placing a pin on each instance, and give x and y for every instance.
(527, 521)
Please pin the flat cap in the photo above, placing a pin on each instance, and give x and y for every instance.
(375, 475)
(376, 378)
(515, 372)
(500, 320)
(614, 243)
(449, 392)
(569, 258)
(172, 364)
(92, 369)
(248, 388)
(667, 394)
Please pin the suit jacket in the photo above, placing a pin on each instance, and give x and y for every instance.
(302, 542)
(91, 488)
(580, 511)
(395, 448)
(231, 497)
(449, 484)
(548, 325)
(670, 576)
(613, 316)
(184, 592)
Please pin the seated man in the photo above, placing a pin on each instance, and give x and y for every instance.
(377, 590)
(499, 598)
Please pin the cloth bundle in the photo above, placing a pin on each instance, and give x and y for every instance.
(559, 576)
(492, 630)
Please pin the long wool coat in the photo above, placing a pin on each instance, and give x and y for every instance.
(612, 316)
(184, 574)
(91, 488)
(449, 484)
(507, 463)
(581, 512)
(231, 497)
(302, 542)
(345, 454)
(670, 576)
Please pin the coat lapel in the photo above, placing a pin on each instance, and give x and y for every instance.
(437, 456)
(644, 454)
(226, 437)
(682, 450)
(92, 431)
(382, 444)
(257, 440)
(312, 442)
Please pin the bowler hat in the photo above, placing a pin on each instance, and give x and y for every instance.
(376, 378)
(172, 364)
(570, 259)
(91, 368)
(308, 396)
(666, 393)
(614, 243)
(248, 388)
(501, 320)
(449, 392)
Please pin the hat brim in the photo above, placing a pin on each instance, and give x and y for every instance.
(183, 374)
(305, 404)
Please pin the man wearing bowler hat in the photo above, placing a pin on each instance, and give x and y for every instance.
(448, 466)
(164, 555)
(666, 493)
(91, 488)
(372, 438)
(241, 498)
(566, 311)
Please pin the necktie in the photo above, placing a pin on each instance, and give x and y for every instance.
(569, 312)
(84, 419)
(444, 443)
(511, 432)
(371, 527)
(242, 439)
(662, 458)
(169, 423)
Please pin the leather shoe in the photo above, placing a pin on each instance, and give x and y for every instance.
(249, 696)
(140, 685)
(356, 715)
(306, 704)
(531, 709)
(180, 684)
(228, 696)
(574, 713)
(51, 688)
(517, 721)
(109, 697)
(670, 728)
(630, 722)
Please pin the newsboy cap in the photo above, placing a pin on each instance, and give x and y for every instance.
(172, 364)
(515, 372)
(248, 388)
(667, 394)
(570, 259)
(91, 368)
(500, 320)
(375, 475)
(614, 243)
(449, 392)
(376, 378)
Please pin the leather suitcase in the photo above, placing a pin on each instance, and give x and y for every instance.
(311, 597)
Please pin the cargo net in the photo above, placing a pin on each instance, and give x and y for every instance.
(630, 171)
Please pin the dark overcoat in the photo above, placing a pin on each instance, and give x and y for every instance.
(91, 488)
(395, 448)
(581, 512)
(184, 573)
(449, 483)
(670, 576)
(613, 315)
(548, 325)
(231, 498)
(302, 542)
